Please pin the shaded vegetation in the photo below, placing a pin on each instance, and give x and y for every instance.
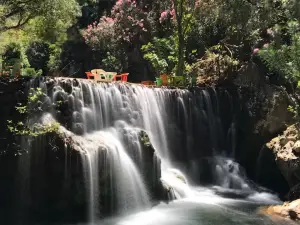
(211, 40)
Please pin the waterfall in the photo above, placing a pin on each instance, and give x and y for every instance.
(105, 123)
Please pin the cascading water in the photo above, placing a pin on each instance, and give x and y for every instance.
(105, 122)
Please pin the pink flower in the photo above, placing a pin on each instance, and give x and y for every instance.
(173, 14)
(141, 24)
(266, 45)
(129, 17)
(163, 16)
(119, 2)
(255, 51)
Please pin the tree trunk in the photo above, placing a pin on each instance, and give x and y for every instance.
(180, 65)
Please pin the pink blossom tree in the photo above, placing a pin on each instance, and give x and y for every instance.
(127, 24)
(116, 35)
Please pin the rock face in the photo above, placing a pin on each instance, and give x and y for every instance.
(287, 210)
(12, 92)
(286, 150)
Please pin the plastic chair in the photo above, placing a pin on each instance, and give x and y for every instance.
(123, 77)
(97, 71)
(164, 79)
(158, 81)
(89, 75)
(110, 76)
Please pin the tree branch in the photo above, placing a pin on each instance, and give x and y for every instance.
(20, 24)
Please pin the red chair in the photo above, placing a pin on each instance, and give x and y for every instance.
(89, 75)
(123, 77)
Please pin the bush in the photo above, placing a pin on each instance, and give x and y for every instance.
(38, 55)
(161, 53)
(31, 72)
(284, 59)
(12, 52)
(217, 65)
(112, 62)
(54, 62)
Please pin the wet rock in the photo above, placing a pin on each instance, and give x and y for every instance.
(286, 149)
(294, 193)
(78, 128)
(60, 96)
(71, 101)
(275, 106)
(77, 117)
(67, 86)
(289, 210)
(283, 141)
(296, 147)
(75, 82)
(47, 104)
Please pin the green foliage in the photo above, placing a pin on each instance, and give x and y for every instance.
(295, 110)
(38, 55)
(12, 51)
(34, 131)
(145, 139)
(31, 72)
(20, 128)
(112, 62)
(161, 53)
(217, 64)
(37, 21)
(49, 15)
(54, 62)
(284, 59)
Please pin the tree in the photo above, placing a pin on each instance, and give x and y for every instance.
(38, 55)
(16, 14)
(127, 27)
(183, 13)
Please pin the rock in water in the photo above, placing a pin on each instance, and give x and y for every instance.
(287, 210)
(286, 149)
(296, 147)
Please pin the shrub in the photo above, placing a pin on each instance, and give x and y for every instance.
(112, 62)
(161, 53)
(12, 51)
(38, 55)
(54, 62)
(31, 72)
(217, 65)
(284, 59)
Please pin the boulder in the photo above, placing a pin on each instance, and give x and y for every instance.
(294, 193)
(277, 115)
(286, 149)
(296, 147)
(289, 210)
